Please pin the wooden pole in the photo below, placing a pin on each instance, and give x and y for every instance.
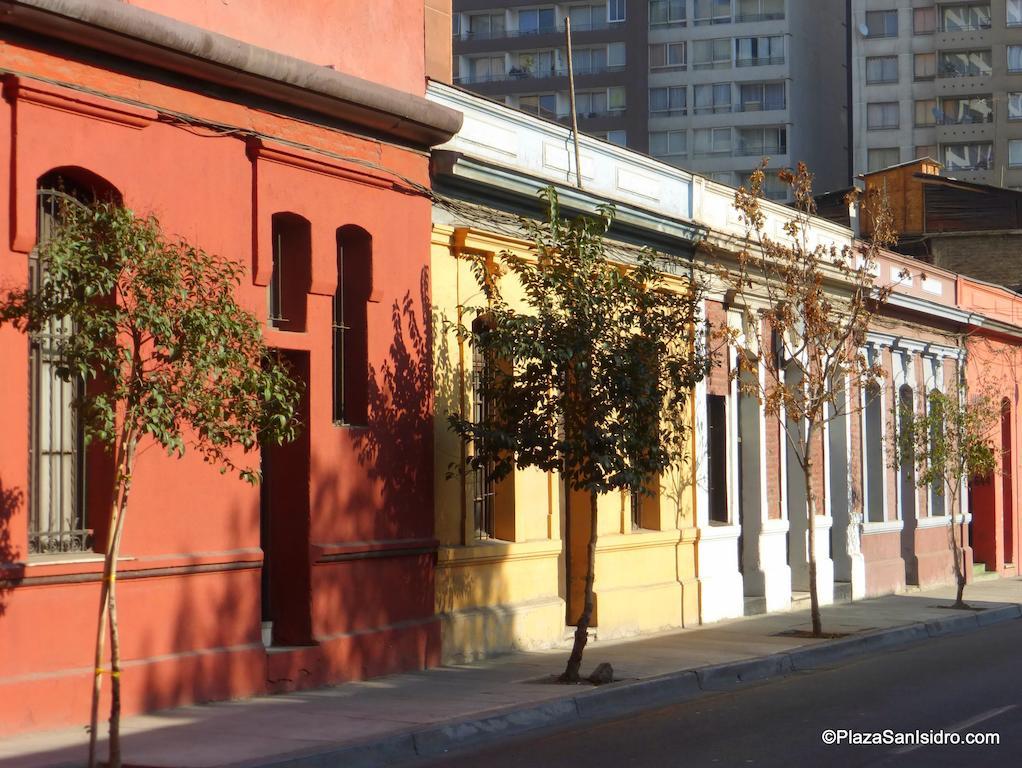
(571, 102)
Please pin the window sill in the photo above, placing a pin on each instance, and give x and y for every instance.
(494, 550)
(65, 558)
(888, 526)
(90, 566)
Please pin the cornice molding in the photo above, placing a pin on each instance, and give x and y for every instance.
(26, 90)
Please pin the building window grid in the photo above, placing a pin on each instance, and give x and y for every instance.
(586, 18)
(667, 13)
(882, 23)
(483, 492)
(339, 329)
(1013, 13)
(537, 21)
(966, 110)
(878, 158)
(883, 116)
(667, 56)
(1015, 58)
(711, 54)
(668, 101)
(484, 26)
(965, 17)
(1015, 153)
(924, 66)
(1015, 105)
(758, 10)
(762, 141)
(668, 143)
(712, 141)
(968, 156)
(969, 63)
(541, 105)
(881, 69)
(711, 12)
(926, 113)
(924, 21)
(276, 288)
(711, 98)
(759, 51)
(761, 97)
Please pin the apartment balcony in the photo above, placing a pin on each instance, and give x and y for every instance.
(954, 73)
(760, 62)
(747, 150)
(745, 18)
(598, 115)
(504, 34)
(523, 74)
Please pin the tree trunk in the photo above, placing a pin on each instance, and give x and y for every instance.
(109, 562)
(115, 634)
(97, 678)
(814, 593)
(958, 550)
(571, 671)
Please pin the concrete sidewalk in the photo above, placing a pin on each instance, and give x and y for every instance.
(427, 713)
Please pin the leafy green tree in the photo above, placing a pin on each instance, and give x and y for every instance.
(163, 353)
(589, 374)
(808, 309)
(947, 446)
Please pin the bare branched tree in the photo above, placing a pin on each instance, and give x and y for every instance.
(807, 308)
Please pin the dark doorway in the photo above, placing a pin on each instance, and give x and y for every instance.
(1008, 506)
(284, 528)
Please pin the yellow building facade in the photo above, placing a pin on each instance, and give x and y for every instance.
(516, 581)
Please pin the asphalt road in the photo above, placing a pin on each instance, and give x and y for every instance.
(969, 683)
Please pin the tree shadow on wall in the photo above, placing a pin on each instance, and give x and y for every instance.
(11, 500)
(397, 447)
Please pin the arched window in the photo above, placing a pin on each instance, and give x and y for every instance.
(350, 326)
(292, 271)
(58, 496)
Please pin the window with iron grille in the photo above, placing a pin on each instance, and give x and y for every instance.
(350, 326)
(483, 495)
(291, 272)
(58, 517)
(635, 509)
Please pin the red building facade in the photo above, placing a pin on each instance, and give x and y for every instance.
(313, 175)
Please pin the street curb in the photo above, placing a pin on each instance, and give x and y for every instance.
(626, 698)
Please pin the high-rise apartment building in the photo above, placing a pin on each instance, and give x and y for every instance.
(940, 80)
(709, 85)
